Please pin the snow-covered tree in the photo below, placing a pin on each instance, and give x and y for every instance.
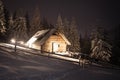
(74, 37)
(101, 50)
(10, 22)
(18, 26)
(2, 18)
(70, 30)
(35, 22)
(10, 27)
(18, 29)
(59, 25)
(66, 28)
(27, 23)
(19, 13)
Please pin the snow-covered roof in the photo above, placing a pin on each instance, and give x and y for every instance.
(65, 39)
(40, 33)
(36, 36)
(52, 31)
(44, 35)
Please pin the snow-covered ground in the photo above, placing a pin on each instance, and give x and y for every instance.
(31, 51)
(24, 66)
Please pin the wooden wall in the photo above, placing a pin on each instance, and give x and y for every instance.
(49, 45)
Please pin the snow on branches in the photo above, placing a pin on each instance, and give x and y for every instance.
(101, 50)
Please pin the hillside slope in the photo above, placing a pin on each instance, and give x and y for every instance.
(24, 66)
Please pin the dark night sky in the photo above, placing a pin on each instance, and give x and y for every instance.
(87, 12)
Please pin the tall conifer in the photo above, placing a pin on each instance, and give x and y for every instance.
(2, 18)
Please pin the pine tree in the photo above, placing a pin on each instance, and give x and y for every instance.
(2, 18)
(27, 23)
(45, 24)
(66, 28)
(21, 28)
(18, 28)
(74, 37)
(59, 24)
(101, 50)
(10, 24)
(100, 33)
(85, 44)
(70, 31)
(35, 23)
(115, 39)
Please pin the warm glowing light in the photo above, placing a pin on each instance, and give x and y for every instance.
(31, 41)
(13, 40)
(21, 42)
(55, 47)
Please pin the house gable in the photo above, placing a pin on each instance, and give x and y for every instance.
(55, 43)
(49, 40)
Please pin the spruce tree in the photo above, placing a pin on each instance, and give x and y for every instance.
(10, 24)
(115, 40)
(35, 23)
(74, 37)
(20, 29)
(70, 30)
(27, 23)
(66, 24)
(101, 49)
(59, 25)
(85, 43)
(2, 18)
(45, 24)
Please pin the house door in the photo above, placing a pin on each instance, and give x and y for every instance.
(55, 47)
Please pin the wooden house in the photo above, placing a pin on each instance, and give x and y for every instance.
(49, 41)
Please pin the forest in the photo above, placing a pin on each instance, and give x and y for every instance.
(101, 44)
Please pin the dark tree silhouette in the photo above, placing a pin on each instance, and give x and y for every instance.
(2, 22)
(27, 24)
(85, 43)
(101, 49)
(59, 25)
(45, 24)
(70, 30)
(19, 29)
(115, 39)
(18, 26)
(74, 37)
(66, 28)
(2, 18)
(10, 27)
(35, 22)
